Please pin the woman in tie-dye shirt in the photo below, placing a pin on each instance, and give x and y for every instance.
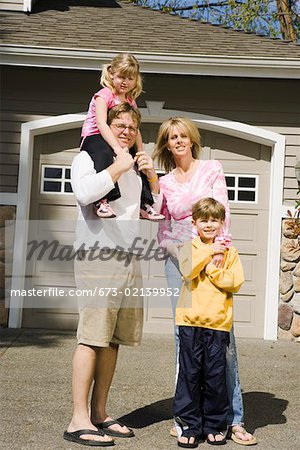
(189, 179)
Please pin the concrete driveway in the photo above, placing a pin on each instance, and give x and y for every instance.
(35, 374)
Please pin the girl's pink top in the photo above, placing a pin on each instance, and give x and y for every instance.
(90, 124)
(178, 198)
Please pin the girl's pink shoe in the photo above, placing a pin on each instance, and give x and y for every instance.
(103, 209)
(149, 213)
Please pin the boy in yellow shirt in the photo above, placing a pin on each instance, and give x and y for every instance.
(204, 317)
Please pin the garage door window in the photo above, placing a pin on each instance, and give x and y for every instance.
(56, 180)
(242, 188)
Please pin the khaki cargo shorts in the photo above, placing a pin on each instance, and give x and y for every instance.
(110, 302)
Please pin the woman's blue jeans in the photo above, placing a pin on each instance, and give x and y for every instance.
(236, 412)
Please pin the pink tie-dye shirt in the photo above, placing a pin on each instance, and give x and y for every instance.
(178, 198)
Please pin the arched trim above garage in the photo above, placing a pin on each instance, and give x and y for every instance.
(154, 113)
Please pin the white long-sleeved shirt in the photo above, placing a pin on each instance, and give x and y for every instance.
(88, 186)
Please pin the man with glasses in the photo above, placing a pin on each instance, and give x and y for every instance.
(105, 267)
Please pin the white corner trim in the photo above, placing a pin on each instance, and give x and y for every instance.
(28, 131)
(155, 114)
(27, 4)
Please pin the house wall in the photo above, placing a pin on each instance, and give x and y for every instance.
(11, 5)
(32, 93)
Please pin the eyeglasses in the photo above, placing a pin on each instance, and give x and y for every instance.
(122, 127)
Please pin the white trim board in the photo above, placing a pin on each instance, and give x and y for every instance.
(162, 63)
(154, 113)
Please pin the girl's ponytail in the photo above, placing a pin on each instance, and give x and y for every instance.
(105, 79)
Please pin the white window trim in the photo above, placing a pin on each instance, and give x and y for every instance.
(236, 188)
(63, 180)
(154, 113)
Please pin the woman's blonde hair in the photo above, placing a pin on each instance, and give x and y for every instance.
(128, 66)
(162, 153)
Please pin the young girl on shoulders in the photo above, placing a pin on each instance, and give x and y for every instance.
(122, 83)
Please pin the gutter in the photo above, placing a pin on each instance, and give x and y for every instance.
(163, 63)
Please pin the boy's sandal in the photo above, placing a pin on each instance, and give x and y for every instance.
(214, 442)
(189, 444)
(238, 429)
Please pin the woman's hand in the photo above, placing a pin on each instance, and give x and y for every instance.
(145, 164)
(172, 249)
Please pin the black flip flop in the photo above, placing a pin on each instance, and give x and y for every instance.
(74, 436)
(108, 423)
(189, 444)
(215, 433)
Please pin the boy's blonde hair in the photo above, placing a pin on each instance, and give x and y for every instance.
(162, 153)
(128, 66)
(208, 207)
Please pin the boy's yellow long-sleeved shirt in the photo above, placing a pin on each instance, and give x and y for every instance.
(206, 296)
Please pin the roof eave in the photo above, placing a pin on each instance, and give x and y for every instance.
(167, 63)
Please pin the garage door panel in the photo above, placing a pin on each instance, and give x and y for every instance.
(248, 262)
(158, 312)
(54, 268)
(57, 212)
(258, 229)
(157, 268)
(242, 306)
(223, 155)
(52, 298)
(243, 227)
(54, 319)
(235, 149)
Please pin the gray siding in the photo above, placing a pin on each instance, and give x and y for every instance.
(10, 126)
(11, 5)
(292, 154)
(44, 92)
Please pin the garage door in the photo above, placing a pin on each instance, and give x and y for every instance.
(53, 212)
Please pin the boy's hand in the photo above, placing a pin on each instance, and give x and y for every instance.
(218, 258)
(219, 249)
(217, 261)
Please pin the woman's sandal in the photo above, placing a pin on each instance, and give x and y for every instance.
(173, 432)
(214, 442)
(234, 430)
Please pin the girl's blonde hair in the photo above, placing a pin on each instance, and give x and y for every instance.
(128, 66)
(162, 153)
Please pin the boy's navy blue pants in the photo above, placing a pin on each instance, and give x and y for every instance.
(201, 400)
